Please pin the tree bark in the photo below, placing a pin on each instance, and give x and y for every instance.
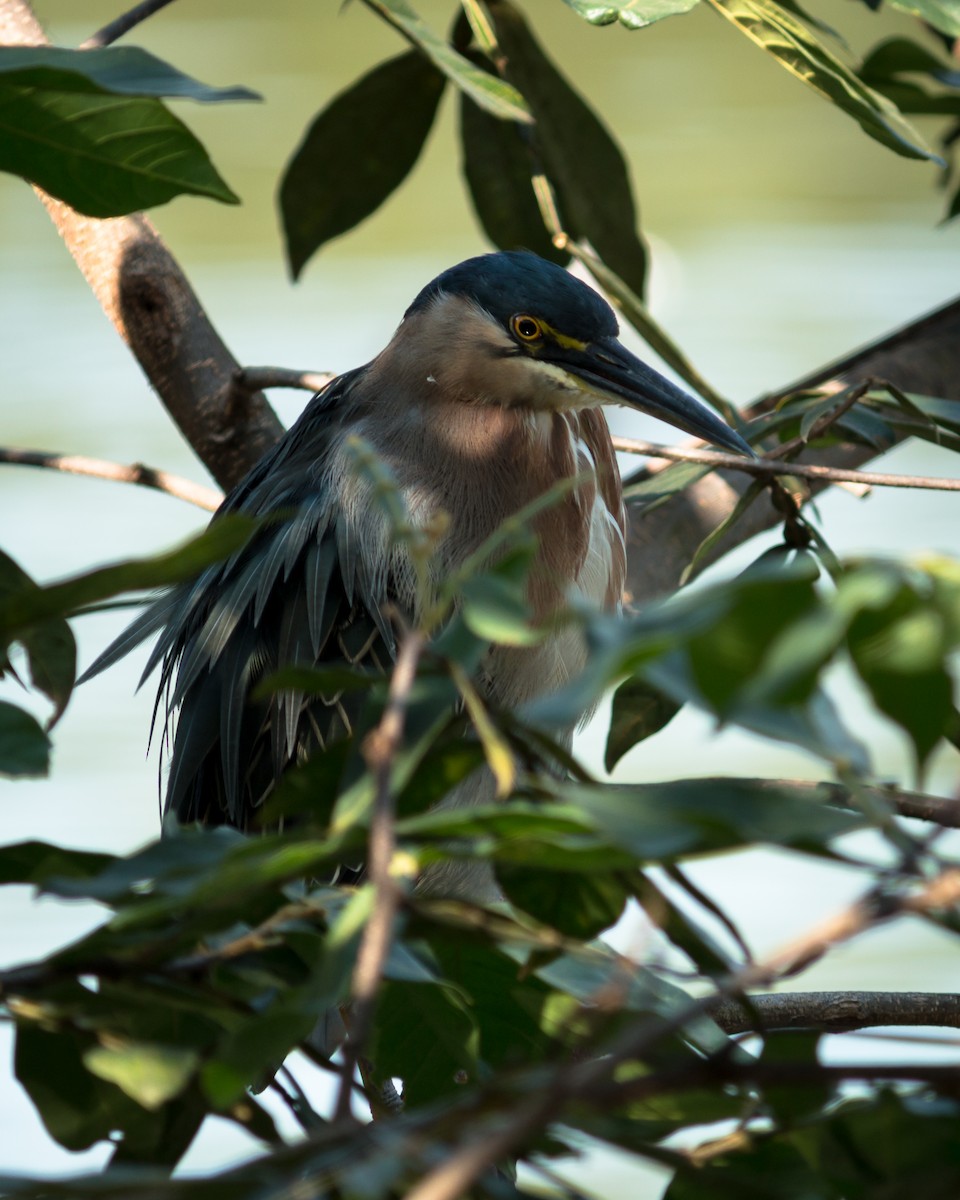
(154, 309)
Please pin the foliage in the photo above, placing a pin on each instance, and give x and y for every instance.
(515, 1031)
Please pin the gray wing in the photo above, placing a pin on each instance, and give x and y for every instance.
(295, 595)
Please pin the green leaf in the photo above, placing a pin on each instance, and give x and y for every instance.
(799, 52)
(696, 816)
(423, 1033)
(149, 1074)
(575, 903)
(111, 70)
(358, 150)
(498, 169)
(50, 647)
(633, 14)
(576, 150)
(37, 862)
(24, 747)
(490, 93)
(76, 1108)
(105, 154)
(20, 612)
(639, 711)
(899, 653)
(941, 14)
(496, 610)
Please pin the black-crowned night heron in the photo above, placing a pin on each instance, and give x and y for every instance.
(488, 394)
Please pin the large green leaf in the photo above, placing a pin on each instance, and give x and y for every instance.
(112, 70)
(941, 14)
(498, 169)
(358, 150)
(88, 128)
(577, 903)
(489, 92)
(633, 14)
(576, 150)
(799, 52)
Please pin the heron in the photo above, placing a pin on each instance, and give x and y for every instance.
(490, 392)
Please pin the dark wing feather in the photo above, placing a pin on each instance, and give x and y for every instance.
(291, 596)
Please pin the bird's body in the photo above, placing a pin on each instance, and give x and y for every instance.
(487, 396)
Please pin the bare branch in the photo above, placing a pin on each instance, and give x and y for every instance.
(254, 379)
(99, 468)
(837, 1012)
(769, 467)
(123, 24)
(380, 750)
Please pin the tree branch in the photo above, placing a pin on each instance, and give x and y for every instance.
(152, 306)
(380, 750)
(123, 24)
(837, 1012)
(254, 379)
(762, 468)
(922, 357)
(98, 468)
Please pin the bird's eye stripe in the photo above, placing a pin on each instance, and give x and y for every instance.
(527, 328)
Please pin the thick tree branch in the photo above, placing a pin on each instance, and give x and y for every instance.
(837, 1012)
(152, 306)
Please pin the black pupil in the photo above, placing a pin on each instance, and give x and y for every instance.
(527, 328)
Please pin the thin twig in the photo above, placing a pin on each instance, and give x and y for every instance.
(123, 24)
(380, 750)
(98, 468)
(255, 379)
(763, 467)
(837, 1012)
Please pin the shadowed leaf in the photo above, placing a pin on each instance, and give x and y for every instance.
(24, 747)
(639, 711)
(578, 153)
(357, 151)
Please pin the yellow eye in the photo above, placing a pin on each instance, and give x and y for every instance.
(526, 328)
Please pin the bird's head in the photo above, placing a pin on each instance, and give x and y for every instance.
(514, 330)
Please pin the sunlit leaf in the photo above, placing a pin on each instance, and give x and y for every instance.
(941, 14)
(88, 127)
(491, 93)
(804, 56)
(633, 14)
(151, 1075)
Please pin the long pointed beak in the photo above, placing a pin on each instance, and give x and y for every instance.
(612, 373)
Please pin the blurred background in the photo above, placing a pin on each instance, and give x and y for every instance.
(781, 237)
